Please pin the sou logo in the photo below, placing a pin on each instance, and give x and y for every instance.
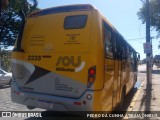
(67, 61)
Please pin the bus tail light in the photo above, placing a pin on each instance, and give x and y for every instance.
(91, 76)
(17, 93)
(77, 103)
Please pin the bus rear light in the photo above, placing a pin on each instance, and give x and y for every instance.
(90, 79)
(91, 76)
(89, 96)
(92, 72)
(77, 103)
(17, 93)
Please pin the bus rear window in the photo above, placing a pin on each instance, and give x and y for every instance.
(75, 22)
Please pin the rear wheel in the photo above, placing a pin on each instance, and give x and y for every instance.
(30, 107)
(10, 82)
(121, 104)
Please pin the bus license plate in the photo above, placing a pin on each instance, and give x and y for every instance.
(45, 104)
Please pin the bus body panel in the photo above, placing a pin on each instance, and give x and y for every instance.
(109, 84)
(62, 81)
(67, 50)
(48, 34)
(50, 102)
(96, 57)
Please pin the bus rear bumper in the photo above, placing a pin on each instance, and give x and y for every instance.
(51, 102)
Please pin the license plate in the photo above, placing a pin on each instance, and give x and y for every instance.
(45, 104)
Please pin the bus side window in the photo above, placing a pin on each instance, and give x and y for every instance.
(114, 42)
(131, 59)
(119, 49)
(127, 53)
(108, 43)
(135, 61)
(132, 55)
(123, 51)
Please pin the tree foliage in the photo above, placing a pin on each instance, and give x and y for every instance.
(10, 20)
(5, 60)
(154, 14)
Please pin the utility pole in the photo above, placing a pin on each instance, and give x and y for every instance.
(148, 55)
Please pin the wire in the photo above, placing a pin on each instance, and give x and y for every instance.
(136, 38)
(141, 38)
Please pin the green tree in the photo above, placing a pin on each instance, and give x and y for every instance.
(6, 56)
(154, 14)
(10, 20)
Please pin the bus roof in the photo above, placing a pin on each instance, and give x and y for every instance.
(67, 8)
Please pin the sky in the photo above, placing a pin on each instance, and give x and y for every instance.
(122, 14)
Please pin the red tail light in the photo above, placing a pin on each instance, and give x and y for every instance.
(92, 71)
(77, 103)
(91, 76)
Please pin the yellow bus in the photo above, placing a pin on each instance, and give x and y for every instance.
(70, 58)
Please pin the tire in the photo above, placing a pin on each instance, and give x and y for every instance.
(10, 82)
(30, 107)
(121, 104)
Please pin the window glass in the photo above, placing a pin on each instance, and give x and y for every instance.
(127, 53)
(115, 46)
(118, 49)
(108, 43)
(1, 72)
(75, 22)
(131, 55)
(123, 51)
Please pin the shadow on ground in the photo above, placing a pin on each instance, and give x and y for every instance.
(153, 71)
(4, 86)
